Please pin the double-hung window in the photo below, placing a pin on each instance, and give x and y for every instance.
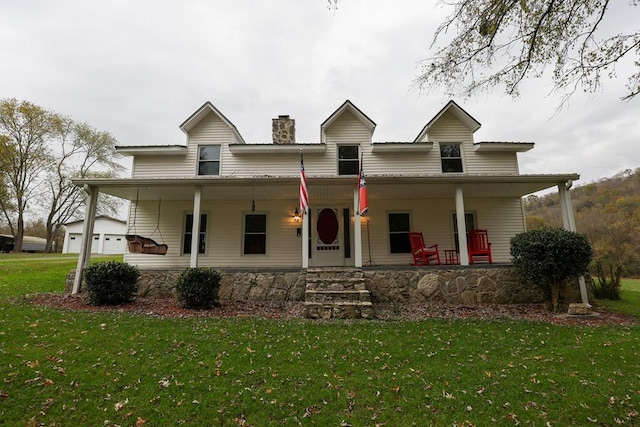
(399, 227)
(255, 234)
(188, 235)
(451, 158)
(209, 160)
(348, 160)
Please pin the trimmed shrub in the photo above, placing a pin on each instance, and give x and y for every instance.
(111, 283)
(548, 256)
(198, 287)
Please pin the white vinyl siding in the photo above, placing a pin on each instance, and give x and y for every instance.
(502, 217)
(225, 225)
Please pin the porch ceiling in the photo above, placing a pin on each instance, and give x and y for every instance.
(326, 188)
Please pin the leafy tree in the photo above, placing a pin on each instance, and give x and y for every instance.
(82, 149)
(549, 256)
(24, 131)
(503, 42)
(40, 153)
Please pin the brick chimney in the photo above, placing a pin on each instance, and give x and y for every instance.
(284, 130)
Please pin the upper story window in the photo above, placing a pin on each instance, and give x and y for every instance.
(209, 160)
(348, 160)
(451, 158)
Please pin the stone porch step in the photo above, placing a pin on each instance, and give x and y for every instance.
(337, 292)
(339, 310)
(337, 296)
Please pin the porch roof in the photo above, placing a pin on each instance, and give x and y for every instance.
(327, 187)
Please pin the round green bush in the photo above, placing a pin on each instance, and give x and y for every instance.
(111, 283)
(549, 256)
(198, 287)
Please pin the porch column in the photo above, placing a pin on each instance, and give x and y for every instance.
(195, 228)
(357, 229)
(462, 227)
(569, 223)
(84, 257)
(305, 238)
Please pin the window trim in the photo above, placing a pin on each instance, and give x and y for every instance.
(198, 161)
(356, 160)
(406, 212)
(244, 232)
(206, 232)
(461, 158)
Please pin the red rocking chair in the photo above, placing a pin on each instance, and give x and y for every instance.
(479, 246)
(422, 255)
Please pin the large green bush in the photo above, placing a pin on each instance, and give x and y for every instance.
(198, 287)
(549, 256)
(110, 283)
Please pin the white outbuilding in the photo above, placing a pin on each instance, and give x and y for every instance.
(108, 236)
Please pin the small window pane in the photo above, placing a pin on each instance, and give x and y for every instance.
(255, 244)
(348, 152)
(451, 165)
(399, 222)
(399, 243)
(210, 152)
(209, 168)
(256, 223)
(450, 150)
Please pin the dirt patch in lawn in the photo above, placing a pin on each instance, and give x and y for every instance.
(169, 307)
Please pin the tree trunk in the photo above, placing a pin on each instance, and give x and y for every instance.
(19, 237)
(555, 296)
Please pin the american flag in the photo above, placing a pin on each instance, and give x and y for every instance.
(304, 196)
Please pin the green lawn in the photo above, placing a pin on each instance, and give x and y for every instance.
(80, 368)
(629, 302)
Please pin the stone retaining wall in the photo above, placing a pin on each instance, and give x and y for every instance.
(458, 285)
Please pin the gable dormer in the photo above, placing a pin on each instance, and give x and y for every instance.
(347, 133)
(346, 115)
(451, 119)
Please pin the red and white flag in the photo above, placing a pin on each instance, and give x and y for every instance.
(362, 184)
(304, 196)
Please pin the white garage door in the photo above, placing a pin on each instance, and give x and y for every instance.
(113, 244)
(75, 240)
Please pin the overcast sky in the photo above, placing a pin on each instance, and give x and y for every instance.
(138, 69)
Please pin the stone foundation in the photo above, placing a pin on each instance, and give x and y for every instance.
(456, 285)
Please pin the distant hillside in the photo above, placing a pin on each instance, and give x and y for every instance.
(607, 211)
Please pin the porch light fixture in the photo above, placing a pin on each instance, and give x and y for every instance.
(296, 215)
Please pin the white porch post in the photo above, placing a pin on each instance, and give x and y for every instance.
(305, 238)
(195, 228)
(84, 257)
(357, 229)
(569, 223)
(462, 227)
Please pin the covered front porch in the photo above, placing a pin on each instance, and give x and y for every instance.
(172, 210)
